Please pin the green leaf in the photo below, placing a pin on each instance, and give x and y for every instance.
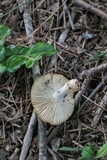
(87, 152)
(4, 31)
(102, 152)
(99, 55)
(2, 41)
(2, 51)
(2, 68)
(36, 56)
(29, 63)
(12, 46)
(17, 49)
(14, 63)
(8, 52)
(69, 149)
(26, 51)
(43, 48)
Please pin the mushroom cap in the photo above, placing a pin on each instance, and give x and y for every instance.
(45, 106)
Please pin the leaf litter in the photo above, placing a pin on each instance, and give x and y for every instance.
(75, 51)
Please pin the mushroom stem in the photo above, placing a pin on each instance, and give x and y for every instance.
(71, 86)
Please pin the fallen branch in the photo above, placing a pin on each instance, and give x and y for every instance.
(36, 73)
(28, 137)
(95, 70)
(90, 8)
(29, 134)
(42, 140)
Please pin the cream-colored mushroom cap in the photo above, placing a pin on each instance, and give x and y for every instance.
(52, 98)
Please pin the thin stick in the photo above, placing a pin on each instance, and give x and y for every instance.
(10, 11)
(99, 111)
(91, 96)
(52, 153)
(89, 74)
(94, 103)
(36, 73)
(28, 137)
(42, 140)
(69, 15)
(90, 8)
(42, 129)
(34, 32)
(54, 133)
(95, 70)
(29, 134)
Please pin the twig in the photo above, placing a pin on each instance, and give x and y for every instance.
(39, 5)
(20, 2)
(89, 74)
(63, 35)
(91, 95)
(10, 11)
(94, 103)
(14, 154)
(95, 70)
(27, 21)
(52, 153)
(28, 137)
(42, 140)
(90, 8)
(29, 134)
(42, 129)
(61, 39)
(69, 15)
(36, 73)
(99, 111)
(34, 32)
(66, 31)
(54, 133)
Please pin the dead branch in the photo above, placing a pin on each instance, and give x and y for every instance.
(28, 137)
(90, 8)
(36, 72)
(29, 134)
(42, 140)
(95, 70)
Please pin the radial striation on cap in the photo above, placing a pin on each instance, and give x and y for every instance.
(51, 98)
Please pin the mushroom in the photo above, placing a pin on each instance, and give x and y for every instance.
(52, 97)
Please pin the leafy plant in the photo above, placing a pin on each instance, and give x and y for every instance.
(88, 152)
(102, 152)
(67, 149)
(12, 57)
(99, 56)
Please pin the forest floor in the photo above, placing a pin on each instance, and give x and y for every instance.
(78, 31)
